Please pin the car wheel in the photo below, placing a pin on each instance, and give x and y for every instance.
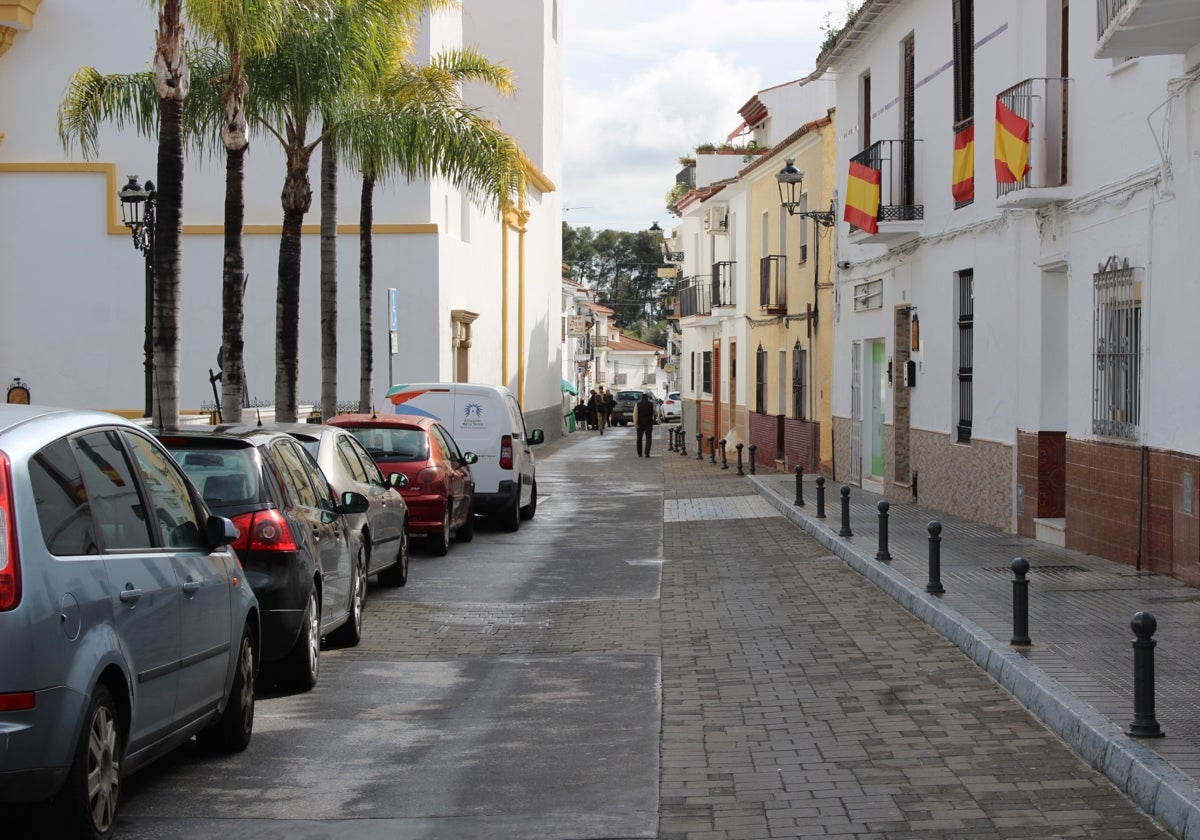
(397, 573)
(510, 519)
(86, 806)
(439, 543)
(530, 509)
(350, 633)
(466, 531)
(231, 732)
(303, 663)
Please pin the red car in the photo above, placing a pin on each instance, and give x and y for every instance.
(441, 490)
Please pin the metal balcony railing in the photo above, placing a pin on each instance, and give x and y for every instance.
(1044, 103)
(772, 284)
(694, 296)
(722, 284)
(896, 161)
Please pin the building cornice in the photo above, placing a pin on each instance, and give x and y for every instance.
(18, 14)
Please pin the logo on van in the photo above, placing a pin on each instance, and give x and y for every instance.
(473, 410)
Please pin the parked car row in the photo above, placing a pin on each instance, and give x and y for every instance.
(149, 580)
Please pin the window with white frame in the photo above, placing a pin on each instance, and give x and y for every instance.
(1117, 339)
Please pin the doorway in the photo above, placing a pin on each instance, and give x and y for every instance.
(878, 408)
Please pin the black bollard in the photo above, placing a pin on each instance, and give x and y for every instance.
(934, 587)
(799, 486)
(699, 446)
(883, 555)
(1020, 635)
(845, 532)
(724, 462)
(671, 440)
(1144, 724)
(712, 449)
(739, 457)
(820, 497)
(682, 441)
(753, 449)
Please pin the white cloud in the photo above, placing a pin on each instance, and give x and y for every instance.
(648, 80)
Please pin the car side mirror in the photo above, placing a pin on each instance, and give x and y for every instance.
(397, 480)
(352, 502)
(470, 458)
(537, 436)
(220, 531)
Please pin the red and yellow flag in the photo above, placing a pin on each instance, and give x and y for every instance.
(963, 177)
(1012, 145)
(862, 198)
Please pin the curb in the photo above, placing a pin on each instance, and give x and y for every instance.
(1141, 774)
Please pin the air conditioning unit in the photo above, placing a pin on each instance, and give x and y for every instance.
(716, 219)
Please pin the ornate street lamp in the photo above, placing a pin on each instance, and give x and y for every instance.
(137, 212)
(791, 188)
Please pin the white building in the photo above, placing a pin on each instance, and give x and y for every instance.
(1013, 358)
(477, 297)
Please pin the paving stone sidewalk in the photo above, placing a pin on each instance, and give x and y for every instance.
(801, 701)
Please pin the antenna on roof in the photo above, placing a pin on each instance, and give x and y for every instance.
(258, 411)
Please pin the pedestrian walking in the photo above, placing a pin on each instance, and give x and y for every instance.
(602, 408)
(593, 412)
(610, 402)
(645, 415)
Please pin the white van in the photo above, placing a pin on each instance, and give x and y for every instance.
(486, 420)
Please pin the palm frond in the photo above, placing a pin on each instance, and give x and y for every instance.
(124, 99)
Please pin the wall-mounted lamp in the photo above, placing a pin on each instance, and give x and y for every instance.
(791, 190)
(916, 332)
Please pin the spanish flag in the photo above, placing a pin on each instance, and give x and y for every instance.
(1012, 146)
(862, 198)
(963, 187)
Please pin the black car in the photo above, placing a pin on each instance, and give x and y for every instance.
(294, 541)
(622, 412)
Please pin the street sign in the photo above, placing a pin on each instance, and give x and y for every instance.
(577, 325)
(393, 311)
(669, 368)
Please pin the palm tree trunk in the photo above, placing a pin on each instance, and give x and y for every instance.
(296, 199)
(328, 280)
(366, 283)
(170, 73)
(233, 289)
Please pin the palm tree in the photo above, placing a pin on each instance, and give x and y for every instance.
(237, 27)
(415, 124)
(136, 100)
(328, 54)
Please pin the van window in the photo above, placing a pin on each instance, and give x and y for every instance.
(514, 409)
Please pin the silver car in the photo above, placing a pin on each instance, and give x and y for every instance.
(126, 620)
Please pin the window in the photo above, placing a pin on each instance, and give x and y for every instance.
(112, 490)
(62, 501)
(293, 474)
(964, 59)
(1117, 372)
(707, 374)
(760, 380)
(799, 365)
(174, 512)
(350, 461)
(966, 353)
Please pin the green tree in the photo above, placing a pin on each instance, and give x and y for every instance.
(621, 267)
(416, 125)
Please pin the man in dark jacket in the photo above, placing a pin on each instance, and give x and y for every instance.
(645, 415)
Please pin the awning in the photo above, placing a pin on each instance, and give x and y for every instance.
(568, 388)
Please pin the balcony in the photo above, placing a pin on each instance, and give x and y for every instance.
(1044, 102)
(901, 219)
(772, 284)
(722, 284)
(694, 297)
(1128, 28)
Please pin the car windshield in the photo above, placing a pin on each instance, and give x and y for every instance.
(225, 475)
(629, 395)
(393, 444)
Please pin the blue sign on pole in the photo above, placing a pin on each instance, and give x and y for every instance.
(393, 313)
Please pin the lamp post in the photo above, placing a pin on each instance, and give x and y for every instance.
(791, 190)
(137, 212)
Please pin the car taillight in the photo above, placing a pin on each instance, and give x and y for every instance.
(428, 476)
(17, 702)
(263, 530)
(506, 452)
(10, 563)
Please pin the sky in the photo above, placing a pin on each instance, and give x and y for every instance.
(646, 81)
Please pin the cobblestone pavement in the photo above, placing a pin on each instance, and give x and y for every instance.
(799, 700)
